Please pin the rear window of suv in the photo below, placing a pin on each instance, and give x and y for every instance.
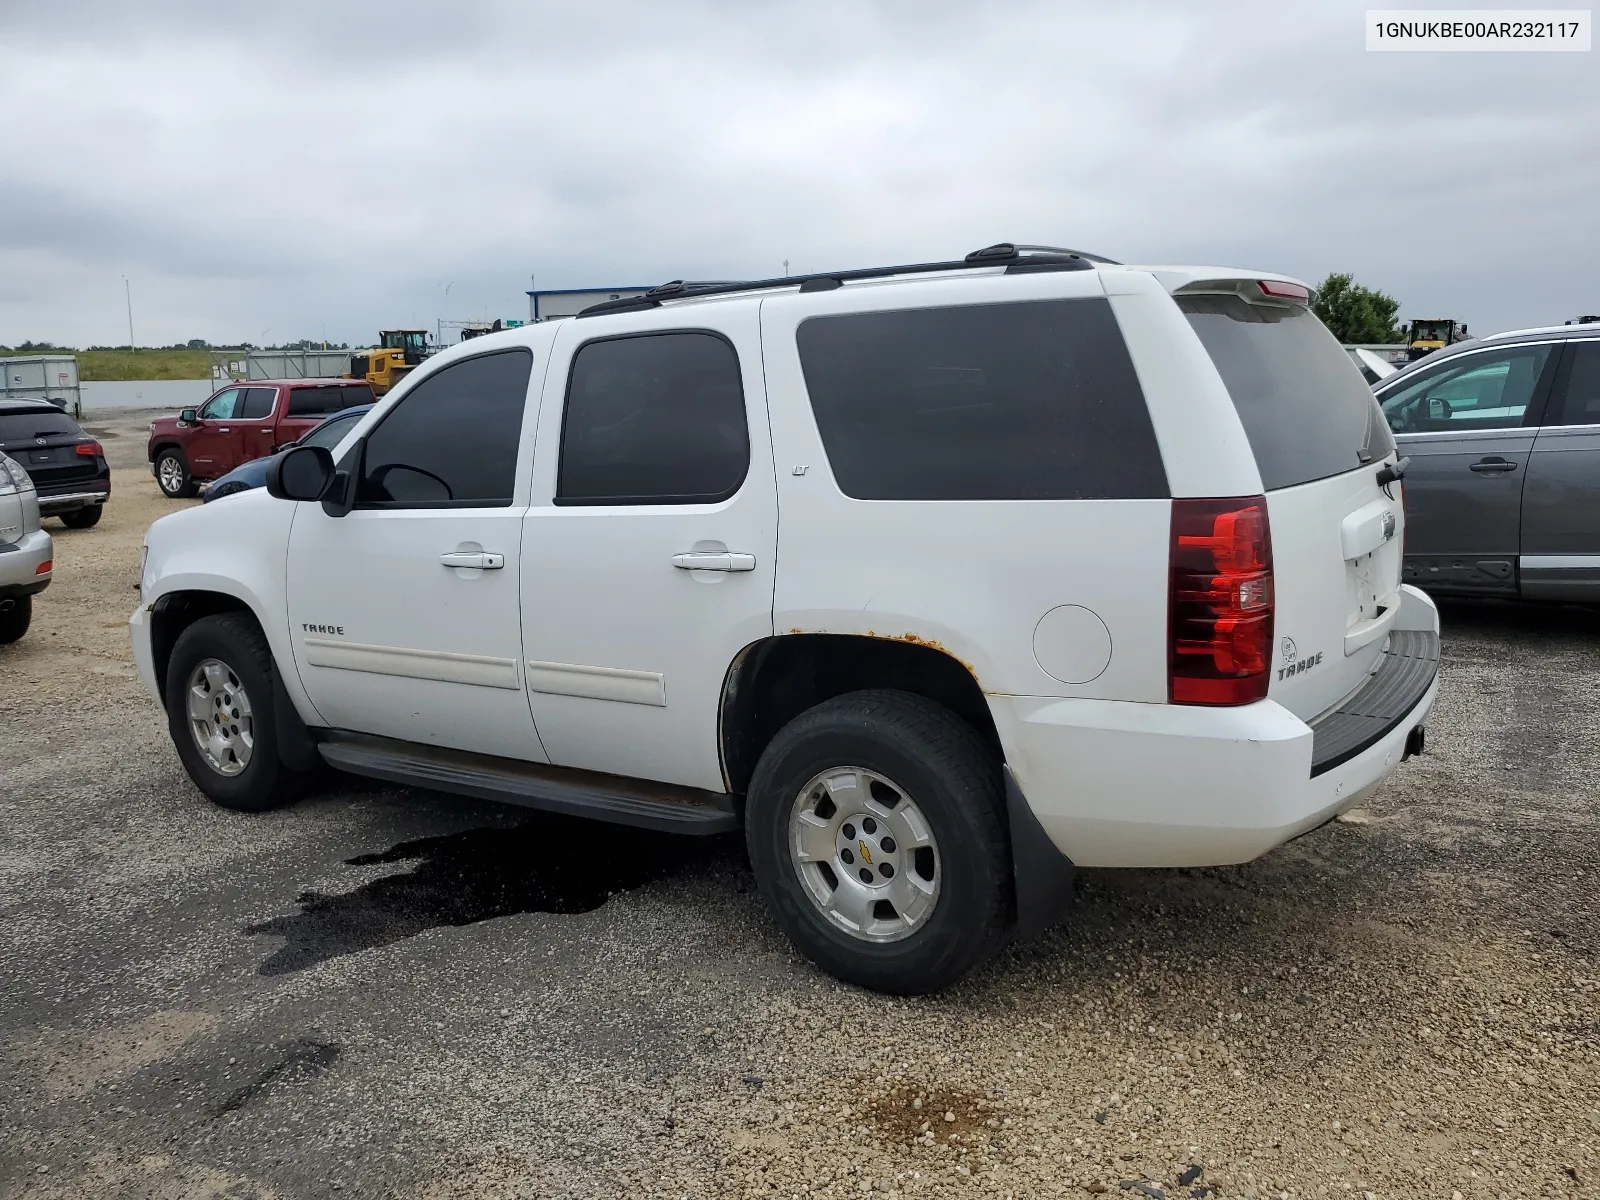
(1304, 406)
(1025, 401)
(35, 423)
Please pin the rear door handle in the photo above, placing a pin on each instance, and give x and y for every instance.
(1492, 466)
(723, 560)
(473, 559)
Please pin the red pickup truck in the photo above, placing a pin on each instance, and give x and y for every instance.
(242, 421)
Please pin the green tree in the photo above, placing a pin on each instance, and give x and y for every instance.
(1357, 315)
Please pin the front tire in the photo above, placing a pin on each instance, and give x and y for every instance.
(221, 717)
(172, 475)
(876, 831)
(15, 620)
(83, 518)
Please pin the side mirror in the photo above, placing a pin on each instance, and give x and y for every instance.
(302, 473)
(188, 416)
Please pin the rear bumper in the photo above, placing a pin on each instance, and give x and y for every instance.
(1115, 784)
(73, 500)
(20, 562)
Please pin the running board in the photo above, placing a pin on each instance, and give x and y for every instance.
(661, 806)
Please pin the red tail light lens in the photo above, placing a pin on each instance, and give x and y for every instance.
(1279, 290)
(1221, 602)
(45, 567)
(90, 449)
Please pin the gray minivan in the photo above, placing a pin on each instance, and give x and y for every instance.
(1503, 490)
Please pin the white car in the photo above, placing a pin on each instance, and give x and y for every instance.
(937, 580)
(27, 552)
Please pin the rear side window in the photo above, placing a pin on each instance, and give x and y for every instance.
(1028, 401)
(1582, 403)
(654, 419)
(256, 403)
(35, 423)
(318, 401)
(1304, 406)
(453, 439)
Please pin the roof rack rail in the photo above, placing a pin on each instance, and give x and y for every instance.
(1016, 259)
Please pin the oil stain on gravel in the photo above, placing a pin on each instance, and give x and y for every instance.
(908, 1113)
(547, 864)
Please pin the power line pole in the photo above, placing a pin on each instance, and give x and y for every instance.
(127, 293)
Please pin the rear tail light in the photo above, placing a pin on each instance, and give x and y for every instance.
(1221, 604)
(90, 449)
(45, 567)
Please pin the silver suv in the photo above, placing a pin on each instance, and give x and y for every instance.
(1503, 490)
(26, 551)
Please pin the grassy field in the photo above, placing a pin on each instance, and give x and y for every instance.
(95, 366)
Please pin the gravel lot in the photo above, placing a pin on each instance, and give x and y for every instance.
(385, 992)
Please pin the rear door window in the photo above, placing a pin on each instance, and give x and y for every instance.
(1581, 401)
(1024, 401)
(1304, 406)
(256, 403)
(654, 419)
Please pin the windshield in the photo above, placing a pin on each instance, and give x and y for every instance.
(1304, 406)
(331, 432)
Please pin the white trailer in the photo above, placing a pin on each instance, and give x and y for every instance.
(52, 377)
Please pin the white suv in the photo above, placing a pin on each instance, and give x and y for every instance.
(936, 579)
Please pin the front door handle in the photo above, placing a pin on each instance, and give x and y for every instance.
(473, 560)
(721, 560)
(1493, 465)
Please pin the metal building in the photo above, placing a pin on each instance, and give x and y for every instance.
(561, 303)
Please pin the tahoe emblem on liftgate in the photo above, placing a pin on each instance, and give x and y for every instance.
(337, 630)
(1293, 664)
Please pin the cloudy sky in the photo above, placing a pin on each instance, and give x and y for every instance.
(278, 170)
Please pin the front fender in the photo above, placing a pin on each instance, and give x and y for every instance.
(238, 550)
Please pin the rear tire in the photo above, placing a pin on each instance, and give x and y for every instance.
(901, 759)
(172, 475)
(220, 714)
(84, 518)
(15, 620)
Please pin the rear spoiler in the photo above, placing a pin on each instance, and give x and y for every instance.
(1280, 293)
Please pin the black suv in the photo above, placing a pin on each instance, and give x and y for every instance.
(67, 466)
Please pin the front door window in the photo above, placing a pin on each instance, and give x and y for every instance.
(1477, 391)
(221, 407)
